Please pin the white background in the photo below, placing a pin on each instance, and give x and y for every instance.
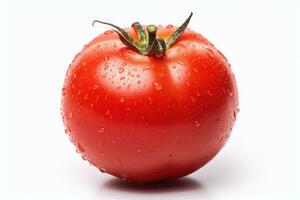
(259, 38)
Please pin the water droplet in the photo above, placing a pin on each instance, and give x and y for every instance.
(193, 35)
(80, 148)
(102, 169)
(134, 103)
(146, 68)
(181, 63)
(63, 91)
(125, 57)
(124, 177)
(122, 99)
(193, 99)
(221, 140)
(188, 83)
(121, 70)
(95, 86)
(170, 26)
(101, 130)
(107, 112)
(70, 115)
(108, 32)
(204, 65)
(139, 150)
(161, 75)
(150, 100)
(78, 124)
(197, 123)
(83, 157)
(67, 131)
(157, 85)
(210, 52)
(226, 138)
(106, 66)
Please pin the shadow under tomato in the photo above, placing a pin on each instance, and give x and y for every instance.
(177, 185)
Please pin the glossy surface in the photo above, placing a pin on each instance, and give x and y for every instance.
(145, 119)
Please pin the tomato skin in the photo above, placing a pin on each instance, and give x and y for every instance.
(146, 119)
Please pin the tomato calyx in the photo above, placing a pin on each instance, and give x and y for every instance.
(148, 43)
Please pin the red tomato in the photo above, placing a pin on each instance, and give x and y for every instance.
(145, 118)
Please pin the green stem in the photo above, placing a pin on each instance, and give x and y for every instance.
(158, 48)
(148, 43)
(141, 33)
(151, 29)
(123, 35)
(178, 32)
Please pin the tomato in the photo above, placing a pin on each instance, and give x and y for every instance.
(147, 116)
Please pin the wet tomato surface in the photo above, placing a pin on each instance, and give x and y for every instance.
(143, 118)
